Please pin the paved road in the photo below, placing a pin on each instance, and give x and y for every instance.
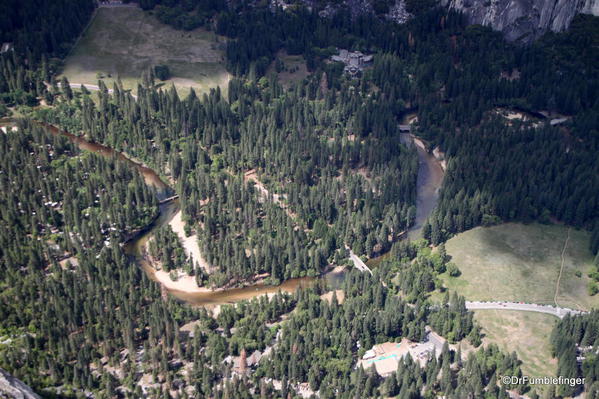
(527, 307)
(361, 266)
(87, 86)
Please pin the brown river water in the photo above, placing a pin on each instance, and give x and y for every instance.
(430, 176)
(135, 246)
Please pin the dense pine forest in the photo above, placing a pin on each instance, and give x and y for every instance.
(283, 183)
(107, 345)
(335, 184)
(70, 295)
(36, 31)
(457, 77)
(43, 28)
(574, 342)
(445, 70)
(448, 72)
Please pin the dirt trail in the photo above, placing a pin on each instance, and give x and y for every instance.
(561, 269)
(251, 175)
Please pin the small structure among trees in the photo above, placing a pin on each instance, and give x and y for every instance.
(243, 363)
(354, 61)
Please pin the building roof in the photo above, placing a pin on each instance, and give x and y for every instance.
(369, 354)
(386, 356)
(436, 339)
(251, 361)
(354, 60)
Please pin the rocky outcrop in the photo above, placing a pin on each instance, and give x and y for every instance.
(12, 388)
(398, 12)
(524, 20)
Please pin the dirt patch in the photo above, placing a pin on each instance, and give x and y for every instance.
(71, 260)
(265, 194)
(328, 296)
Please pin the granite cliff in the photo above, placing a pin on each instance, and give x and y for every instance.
(519, 20)
(12, 388)
(523, 20)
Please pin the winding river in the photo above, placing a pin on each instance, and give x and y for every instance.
(430, 175)
(136, 244)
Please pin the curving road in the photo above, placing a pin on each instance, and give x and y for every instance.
(526, 307)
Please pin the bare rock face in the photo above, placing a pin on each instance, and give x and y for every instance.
(524, 20)
(12, 388)
(398, 13)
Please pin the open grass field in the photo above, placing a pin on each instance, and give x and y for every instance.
(521, 263)
(526, 333)
(125, 41)
(294, 68)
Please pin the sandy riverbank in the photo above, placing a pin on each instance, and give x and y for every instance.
(187, 285)
(184, 283)
(190, 244)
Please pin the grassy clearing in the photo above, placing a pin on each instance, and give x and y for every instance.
(516, 262)
(294, 68)
(526, 333)
(125, 41)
